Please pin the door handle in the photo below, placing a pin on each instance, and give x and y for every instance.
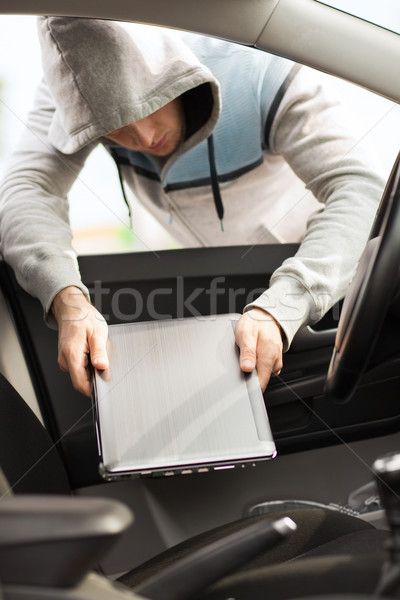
(310, 339)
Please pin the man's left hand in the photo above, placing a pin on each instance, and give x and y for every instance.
(259, 338)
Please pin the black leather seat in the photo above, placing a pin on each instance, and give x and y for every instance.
(310, 561)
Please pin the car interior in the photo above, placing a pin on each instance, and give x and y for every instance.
(288, 527)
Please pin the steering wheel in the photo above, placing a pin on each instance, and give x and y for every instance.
(369, 297)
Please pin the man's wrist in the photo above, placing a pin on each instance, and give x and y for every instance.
(69, 299)
(270, 317)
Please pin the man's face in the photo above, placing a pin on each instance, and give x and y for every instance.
(159, 134)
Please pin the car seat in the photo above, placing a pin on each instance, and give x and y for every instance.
(32, 465)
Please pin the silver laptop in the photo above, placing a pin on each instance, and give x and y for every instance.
(174, 400)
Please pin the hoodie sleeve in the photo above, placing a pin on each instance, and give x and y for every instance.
(314, 135)
(36, 238)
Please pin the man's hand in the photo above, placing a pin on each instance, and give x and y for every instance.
(259, 339)
(82, 332)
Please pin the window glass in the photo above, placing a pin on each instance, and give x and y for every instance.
(99, 216)
(384, 13)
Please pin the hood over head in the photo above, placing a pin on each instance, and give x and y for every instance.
(104, 76)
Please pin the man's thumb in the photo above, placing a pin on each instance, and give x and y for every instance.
(98, 354)
(247, 360)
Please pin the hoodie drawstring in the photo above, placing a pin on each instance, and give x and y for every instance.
(121, 181)
(214, 181)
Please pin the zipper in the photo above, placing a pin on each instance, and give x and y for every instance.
(174, 208)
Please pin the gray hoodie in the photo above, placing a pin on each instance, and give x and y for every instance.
(99, 77)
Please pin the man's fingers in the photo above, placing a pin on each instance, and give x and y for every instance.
(75, 362)
(81, 379)
(260, 342)
(82, 332)
(247, 343)
(269, 355)
(98, 352)
(248, 358)
(268, 365)
(63, 364)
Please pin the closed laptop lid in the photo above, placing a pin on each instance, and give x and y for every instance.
(175, 400)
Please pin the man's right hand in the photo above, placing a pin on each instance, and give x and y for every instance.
(82, 335)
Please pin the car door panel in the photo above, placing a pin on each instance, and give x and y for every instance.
(195, 282)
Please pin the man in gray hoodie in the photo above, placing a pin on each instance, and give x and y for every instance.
(201, 131)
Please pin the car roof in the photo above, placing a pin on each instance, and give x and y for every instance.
(306, 31)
